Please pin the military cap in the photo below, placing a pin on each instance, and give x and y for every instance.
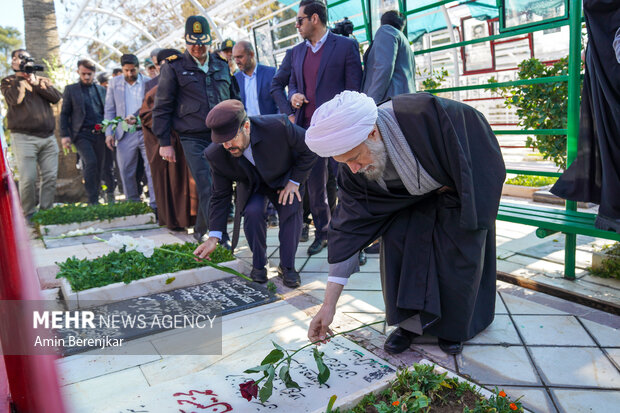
(168, 54)
(225, 119)
(148, 62)
(227, 44)
(197, 31)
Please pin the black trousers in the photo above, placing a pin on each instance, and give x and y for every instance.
(91, 148)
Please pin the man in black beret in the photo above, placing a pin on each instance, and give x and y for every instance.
(189, 87)
(268, 158)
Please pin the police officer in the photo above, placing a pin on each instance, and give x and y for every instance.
(189, 87)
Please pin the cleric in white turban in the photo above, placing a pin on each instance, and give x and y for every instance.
(425, 174)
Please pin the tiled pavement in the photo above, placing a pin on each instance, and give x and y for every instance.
(560, 356)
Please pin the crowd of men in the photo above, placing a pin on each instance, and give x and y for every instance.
(209, 130)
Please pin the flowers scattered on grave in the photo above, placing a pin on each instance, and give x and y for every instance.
(80, 232)
(114, 123)
(281, 358)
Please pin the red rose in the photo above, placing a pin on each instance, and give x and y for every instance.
(249, 390)
(98, 127)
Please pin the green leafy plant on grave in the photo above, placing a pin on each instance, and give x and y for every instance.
(610, 266)
(532, 181)
(69, 213)
(541, 106)
(421, 389)
(126, 266)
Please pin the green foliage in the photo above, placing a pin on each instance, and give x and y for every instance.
(434, 79)
(126, 266)
(530, 180)
(610, 266)
(420, 389)
(541, 106)
(271, 287)
(58, 74)
(65, 214)
(10, 39)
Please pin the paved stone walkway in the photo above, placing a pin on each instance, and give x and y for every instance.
(560, 356)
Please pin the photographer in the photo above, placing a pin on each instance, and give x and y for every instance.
(31, 121)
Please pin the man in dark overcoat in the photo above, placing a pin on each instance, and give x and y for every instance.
(268, 159)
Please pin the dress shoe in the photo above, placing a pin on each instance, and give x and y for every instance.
(272, 221)
(450, 347)
(226, 245)
(317, 246)
(259, 275)
(289, 276)
(398, 341)
(305, 233)
(362, 258)
(373, 249)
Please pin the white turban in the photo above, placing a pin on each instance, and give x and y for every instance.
(341, 124)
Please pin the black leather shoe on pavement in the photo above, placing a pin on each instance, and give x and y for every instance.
(362, 258)
(259, 275)
(305, 233)
(289, 276)
(398, 341)
(450, 347)
(317, 246)
(226, 245)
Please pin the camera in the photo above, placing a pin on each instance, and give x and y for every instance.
(343, 27)
(27, 65)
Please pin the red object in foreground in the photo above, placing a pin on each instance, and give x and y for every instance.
(248, 390)
(32, 380)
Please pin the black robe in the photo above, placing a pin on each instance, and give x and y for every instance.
(438, 250)
(594, 176)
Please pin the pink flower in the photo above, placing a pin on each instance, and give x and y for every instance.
(248, 390)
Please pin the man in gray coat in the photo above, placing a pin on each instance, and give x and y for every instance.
(389, 65)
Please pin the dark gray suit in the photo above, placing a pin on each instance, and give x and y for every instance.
(389, 65)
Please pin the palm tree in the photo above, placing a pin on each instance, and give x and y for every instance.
(42, 42)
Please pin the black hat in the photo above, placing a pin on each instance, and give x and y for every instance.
(103, 77)
(166, 53)
(197, 31)
(225, 119)
(227, 44)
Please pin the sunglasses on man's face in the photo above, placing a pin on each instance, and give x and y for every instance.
(300, 20)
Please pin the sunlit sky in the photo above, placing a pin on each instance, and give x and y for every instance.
(13, 15)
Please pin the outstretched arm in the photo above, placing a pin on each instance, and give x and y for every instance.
(319, 326)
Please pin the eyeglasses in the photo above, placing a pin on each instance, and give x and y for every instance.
(300, 20)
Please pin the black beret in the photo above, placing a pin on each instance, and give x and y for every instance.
(225, 119)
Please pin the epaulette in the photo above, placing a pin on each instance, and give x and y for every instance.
(172, 58)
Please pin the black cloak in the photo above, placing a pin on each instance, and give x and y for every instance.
(594, 176)
(438, 250)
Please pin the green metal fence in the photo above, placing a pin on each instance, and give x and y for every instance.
(572, 18)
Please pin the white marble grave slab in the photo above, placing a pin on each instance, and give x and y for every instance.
(120, 222)
(146, 286)
(217, 388)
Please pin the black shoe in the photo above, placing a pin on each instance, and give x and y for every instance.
(317, 246)
(362, 258)
(259, 275)
(272, 221)
(398, 341)
(305, 233)
(450, 347)
(226, 245)
(289, 276)
(373, 249)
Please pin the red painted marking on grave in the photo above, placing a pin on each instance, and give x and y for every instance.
(214, 407)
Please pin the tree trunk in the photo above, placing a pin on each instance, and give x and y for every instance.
(42, 41)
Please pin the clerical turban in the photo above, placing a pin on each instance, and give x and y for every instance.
(341, 124)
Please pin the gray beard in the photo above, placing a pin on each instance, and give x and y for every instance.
(375, 170)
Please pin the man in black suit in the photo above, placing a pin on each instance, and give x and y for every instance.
(82, 108)
(268, 158)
